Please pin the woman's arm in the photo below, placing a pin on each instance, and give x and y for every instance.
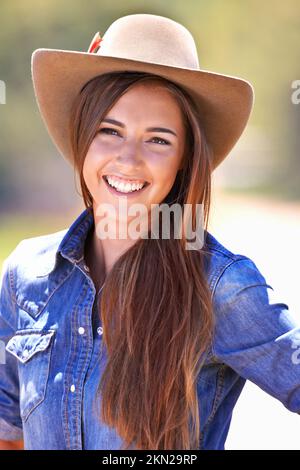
(11, 445)
(256, 334)
(11, 432)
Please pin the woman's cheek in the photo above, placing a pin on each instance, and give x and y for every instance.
(86, 174)
(91, 168)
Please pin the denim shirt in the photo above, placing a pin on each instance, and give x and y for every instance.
(51, 334)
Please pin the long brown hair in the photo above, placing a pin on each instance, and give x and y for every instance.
(156, 306)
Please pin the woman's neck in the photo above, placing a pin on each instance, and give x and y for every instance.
(101, 255)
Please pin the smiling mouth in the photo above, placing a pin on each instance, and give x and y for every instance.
(124, 187)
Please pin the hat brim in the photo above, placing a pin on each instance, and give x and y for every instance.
(224, 102)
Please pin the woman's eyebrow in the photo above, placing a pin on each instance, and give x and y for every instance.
(149, 129)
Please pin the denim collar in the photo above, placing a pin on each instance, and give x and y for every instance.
(71, 246)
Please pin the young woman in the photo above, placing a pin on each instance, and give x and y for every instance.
(137, 342)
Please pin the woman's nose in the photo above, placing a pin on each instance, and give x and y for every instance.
(130, 154)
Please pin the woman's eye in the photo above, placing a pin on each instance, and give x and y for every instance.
(165, 142)
(107, 130)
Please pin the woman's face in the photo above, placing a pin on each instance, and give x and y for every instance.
(139, 142)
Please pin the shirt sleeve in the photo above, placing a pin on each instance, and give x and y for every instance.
(256, 334)
(10, 420)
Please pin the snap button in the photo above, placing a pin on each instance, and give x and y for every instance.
(99, 330)
(72, 388)
(86, 268)
(81, 330)
(25, 353)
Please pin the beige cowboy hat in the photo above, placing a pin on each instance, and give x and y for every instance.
(148, 43)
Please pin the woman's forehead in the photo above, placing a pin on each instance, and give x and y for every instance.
(149, 101)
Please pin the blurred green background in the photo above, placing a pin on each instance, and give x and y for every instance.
(258, 41)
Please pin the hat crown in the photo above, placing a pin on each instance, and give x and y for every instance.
(150, 38)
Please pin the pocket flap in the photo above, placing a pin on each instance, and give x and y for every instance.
(24, 344)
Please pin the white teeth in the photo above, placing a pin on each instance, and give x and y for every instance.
(124, 187)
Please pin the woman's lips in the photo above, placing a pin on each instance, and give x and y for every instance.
(119, 193)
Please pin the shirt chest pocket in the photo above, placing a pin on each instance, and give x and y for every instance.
(32, 349)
